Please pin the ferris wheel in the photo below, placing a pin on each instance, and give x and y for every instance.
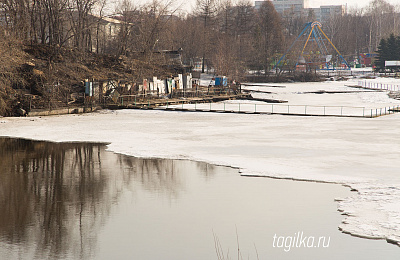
(313, 49)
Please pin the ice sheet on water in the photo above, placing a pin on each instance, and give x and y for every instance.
(359, 152)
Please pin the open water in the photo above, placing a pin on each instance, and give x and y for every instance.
(79, 201)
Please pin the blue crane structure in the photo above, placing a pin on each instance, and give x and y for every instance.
(321, 58)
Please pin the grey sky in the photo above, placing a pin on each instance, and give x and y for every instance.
(187, 5)
(350, 3)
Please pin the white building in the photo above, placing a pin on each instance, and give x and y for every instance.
(327, 12)
(301, 8)
(281, 6)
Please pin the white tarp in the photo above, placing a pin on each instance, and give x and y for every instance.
(392, 63)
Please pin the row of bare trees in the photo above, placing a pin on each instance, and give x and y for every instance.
(360, 30)
(229, 37)
(53, 22)
(233, 38)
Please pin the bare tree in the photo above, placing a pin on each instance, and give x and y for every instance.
(80, 11)
(17, 16)
(380, 16)
(127, 13)
(268, 35)
(207, 11)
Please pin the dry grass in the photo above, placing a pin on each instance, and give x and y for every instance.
(32, 69)
(11, 58)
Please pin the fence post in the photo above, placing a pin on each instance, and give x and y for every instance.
(224, 106)
(371, 113)
(363, 111)
(195, 105)
(210, 105)
(182, 105)
(239, 107)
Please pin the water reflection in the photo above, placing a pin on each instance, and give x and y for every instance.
(50, 194)
(55, 197)
(78, 201)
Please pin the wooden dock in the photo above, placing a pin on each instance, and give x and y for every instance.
(154, 103)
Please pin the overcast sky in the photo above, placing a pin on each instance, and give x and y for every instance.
(350, 3)
(187, 5)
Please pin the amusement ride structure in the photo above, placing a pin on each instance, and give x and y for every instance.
(312, 50)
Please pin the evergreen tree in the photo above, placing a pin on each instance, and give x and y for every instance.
(392, 48)
(397, 52)
(382, 55)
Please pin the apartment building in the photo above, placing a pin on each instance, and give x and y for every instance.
(281, 6)
(300, 8)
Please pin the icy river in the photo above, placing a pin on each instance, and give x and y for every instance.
(361, 153)
(78, 201)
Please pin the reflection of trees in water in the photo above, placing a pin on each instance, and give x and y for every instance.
(155, 175)
(164, 176)
(50, 194)
(208, 170)
(56, 196)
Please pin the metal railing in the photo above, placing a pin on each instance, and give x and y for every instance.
(299, 110)
(378, 86)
